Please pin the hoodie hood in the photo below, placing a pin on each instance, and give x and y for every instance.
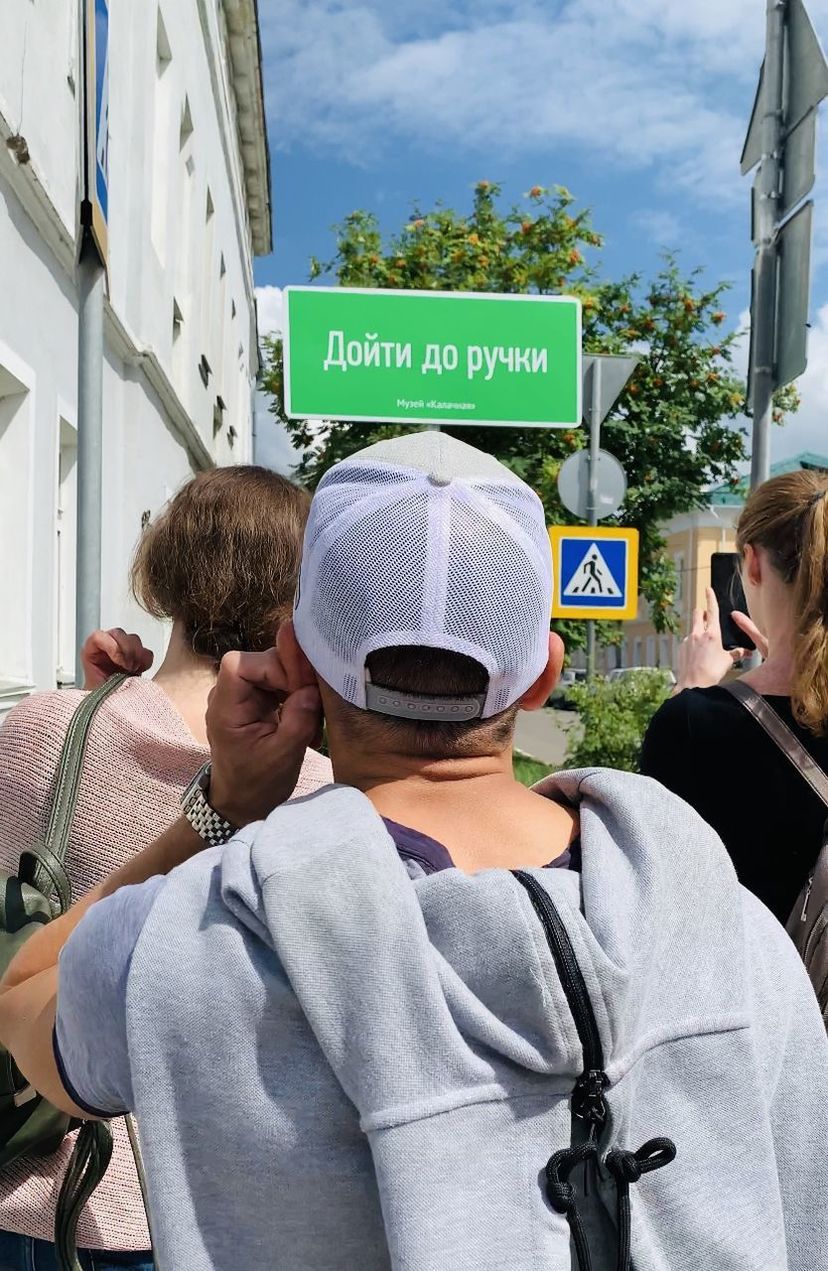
(441, 1007)
(468, 953)
(385, 1067)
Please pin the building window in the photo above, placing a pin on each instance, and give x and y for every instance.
(208, 275)
(162, 141)
(184, 281)
(67, 534)
(637, 651)
(221, 353)
(664, 652)
(678, 561)
(651, 651)
(185, 128)
(15, 529)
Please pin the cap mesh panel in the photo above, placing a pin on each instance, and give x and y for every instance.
(493, 595)
(366, 581)
(370, 578)
(521, 504)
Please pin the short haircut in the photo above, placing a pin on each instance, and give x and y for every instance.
(222, 558)
(434, 672)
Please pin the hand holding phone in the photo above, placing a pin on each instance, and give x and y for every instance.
(726, 578)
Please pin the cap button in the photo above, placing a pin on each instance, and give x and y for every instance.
(438, 481)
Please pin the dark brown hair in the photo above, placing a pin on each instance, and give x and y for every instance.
(413, 669)
(223, 558)
(788, 517)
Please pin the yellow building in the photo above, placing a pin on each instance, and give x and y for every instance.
(692, 538)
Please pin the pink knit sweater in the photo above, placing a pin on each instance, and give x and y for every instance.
(140, 757)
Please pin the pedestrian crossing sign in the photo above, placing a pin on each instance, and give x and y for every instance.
(595, 570)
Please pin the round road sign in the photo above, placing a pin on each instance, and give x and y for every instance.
(573, 484)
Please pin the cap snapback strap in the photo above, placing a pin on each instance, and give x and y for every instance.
(418, 706)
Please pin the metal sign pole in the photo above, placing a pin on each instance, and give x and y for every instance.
(766, 210)
(592, 495)
(91, 277)
(90, 448)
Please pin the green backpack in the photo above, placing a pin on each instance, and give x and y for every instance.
(37, 893)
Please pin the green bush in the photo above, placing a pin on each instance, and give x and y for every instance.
(614, 717)
(528, 771)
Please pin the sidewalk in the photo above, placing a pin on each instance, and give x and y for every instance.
(544, 734)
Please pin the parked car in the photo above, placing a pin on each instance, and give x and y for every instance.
(624, 672)
(560, 698)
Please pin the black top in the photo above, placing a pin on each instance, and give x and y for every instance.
(703, 745)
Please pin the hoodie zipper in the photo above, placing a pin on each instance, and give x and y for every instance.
(588, 1101)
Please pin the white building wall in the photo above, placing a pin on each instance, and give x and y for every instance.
(175, 252)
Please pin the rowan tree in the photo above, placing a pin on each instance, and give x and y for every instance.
(677, 428)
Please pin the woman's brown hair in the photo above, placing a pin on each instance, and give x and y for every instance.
(223, 558)
(788, 517)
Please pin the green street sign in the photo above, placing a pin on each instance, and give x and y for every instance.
(377, 356)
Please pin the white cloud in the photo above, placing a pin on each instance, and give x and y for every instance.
(741, 345)
(808, 429)
(269, 307)
(636, 83)
(660, 227)
(273, 447)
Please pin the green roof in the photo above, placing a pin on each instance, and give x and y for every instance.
(735, 495)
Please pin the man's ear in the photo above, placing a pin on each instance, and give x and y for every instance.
(538, 694)
(299, 671)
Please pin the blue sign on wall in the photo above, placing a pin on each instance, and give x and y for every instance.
(95, 212)
(102, 106)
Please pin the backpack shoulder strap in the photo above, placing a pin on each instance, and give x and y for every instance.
(43, 863)
(786, 740)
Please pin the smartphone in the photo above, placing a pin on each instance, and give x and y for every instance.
(726, 581)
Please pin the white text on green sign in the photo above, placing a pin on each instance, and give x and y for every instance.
(385, 356)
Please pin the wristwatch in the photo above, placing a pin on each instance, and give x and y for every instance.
(207, 823)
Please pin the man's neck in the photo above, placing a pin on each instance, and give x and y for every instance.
(474, 806)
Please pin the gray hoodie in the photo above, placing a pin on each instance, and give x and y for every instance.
(335, 1065)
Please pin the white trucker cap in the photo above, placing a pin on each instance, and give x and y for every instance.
(422, 540)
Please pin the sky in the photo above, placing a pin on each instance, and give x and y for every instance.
(639, 107)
